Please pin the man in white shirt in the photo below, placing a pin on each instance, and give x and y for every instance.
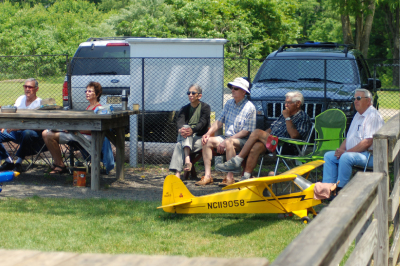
(29, 140)
(356, 147)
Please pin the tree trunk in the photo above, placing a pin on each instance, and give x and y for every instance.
(359, 30)
(393, 22)
(367, 28)
(346, 29)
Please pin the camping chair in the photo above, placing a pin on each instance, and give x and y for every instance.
(285, 141)
(330, 129)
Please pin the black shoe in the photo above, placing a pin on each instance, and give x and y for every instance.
(18, 168)
(6, 166)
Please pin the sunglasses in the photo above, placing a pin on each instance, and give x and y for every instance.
(358, 98)
(191, 92)
(234, 88)
(28, 87)
(287, 102)
(87, 91)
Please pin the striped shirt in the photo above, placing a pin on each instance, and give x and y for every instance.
(300, 120)
(238, 117)
(363, 127)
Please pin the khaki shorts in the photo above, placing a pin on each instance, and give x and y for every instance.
(241, 141)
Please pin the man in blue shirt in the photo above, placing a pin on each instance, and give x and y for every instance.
(292, 123)
(239, 117)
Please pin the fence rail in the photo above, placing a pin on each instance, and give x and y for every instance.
(326, 240)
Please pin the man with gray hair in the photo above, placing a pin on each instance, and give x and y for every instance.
(27, 139)
(355, 149)
(292, 123)
(192, 123)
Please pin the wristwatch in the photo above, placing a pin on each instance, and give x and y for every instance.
(287, 118)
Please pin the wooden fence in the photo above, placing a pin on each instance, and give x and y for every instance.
(362, 211)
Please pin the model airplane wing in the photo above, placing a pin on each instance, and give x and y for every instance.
(286, 176)
(304, 168)
(256, 181)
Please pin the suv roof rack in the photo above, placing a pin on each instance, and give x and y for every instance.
(93, 39)
(311, 44)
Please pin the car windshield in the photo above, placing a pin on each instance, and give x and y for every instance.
(101, 60)
(337, 71)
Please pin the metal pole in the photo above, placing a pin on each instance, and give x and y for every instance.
(143, 113)
(325, 100)
(248, 69)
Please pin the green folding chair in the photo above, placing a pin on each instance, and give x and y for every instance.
(330, 127)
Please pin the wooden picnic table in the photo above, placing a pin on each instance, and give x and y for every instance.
(74, 121)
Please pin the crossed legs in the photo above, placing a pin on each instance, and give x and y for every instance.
(52, 140)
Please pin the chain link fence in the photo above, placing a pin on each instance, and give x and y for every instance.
(159, 86)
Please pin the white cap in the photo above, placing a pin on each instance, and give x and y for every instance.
(241, 83)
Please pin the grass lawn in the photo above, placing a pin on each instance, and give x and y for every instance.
(120, 226)
(389, 99)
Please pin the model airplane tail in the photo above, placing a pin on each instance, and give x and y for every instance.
(174, 193)
(7, 177)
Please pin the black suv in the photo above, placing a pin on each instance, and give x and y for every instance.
(327, 74)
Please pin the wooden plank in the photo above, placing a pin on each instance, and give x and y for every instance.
(362, 253)
(47, 259)
(393, 201)
(395, 248)
(36, 258)
(390, 131)
(12, 257)
(326, 235)
(67, 114)
(50, 123)
(381, 255)
(393, 151)
(95, 152)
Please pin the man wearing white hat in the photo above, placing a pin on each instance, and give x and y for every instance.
(292, 123)
(239, 117)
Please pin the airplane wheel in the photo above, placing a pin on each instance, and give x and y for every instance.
(306, 220)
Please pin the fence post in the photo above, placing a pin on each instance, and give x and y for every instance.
(248, 70)
(143, 117)
(381, 254)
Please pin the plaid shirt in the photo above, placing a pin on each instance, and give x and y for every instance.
(300, 120)
(238, 117)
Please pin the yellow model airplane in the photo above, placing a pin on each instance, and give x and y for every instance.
(286, 193)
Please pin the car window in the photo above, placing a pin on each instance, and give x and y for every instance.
(341, 71)
(101, 60)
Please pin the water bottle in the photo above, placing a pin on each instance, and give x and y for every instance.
(124, 100)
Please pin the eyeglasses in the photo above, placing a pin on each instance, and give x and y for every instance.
(234, 88)
(191, 92)
(358, 98)
(87, 91)
(28, 87)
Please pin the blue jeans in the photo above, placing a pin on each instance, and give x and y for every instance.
(335, 170)
(30, 142)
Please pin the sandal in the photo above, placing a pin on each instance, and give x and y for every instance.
(60, 170)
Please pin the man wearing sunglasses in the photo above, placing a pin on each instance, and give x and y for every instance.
(355, 149)
(239, 117)
(192, 123)
(27, 139)
(292, 123)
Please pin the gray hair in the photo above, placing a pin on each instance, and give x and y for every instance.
(32, 79)
(197, 88)
(295, 96)
(366, 92)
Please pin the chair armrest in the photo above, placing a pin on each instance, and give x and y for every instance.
(328, 139)
(294, 141)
